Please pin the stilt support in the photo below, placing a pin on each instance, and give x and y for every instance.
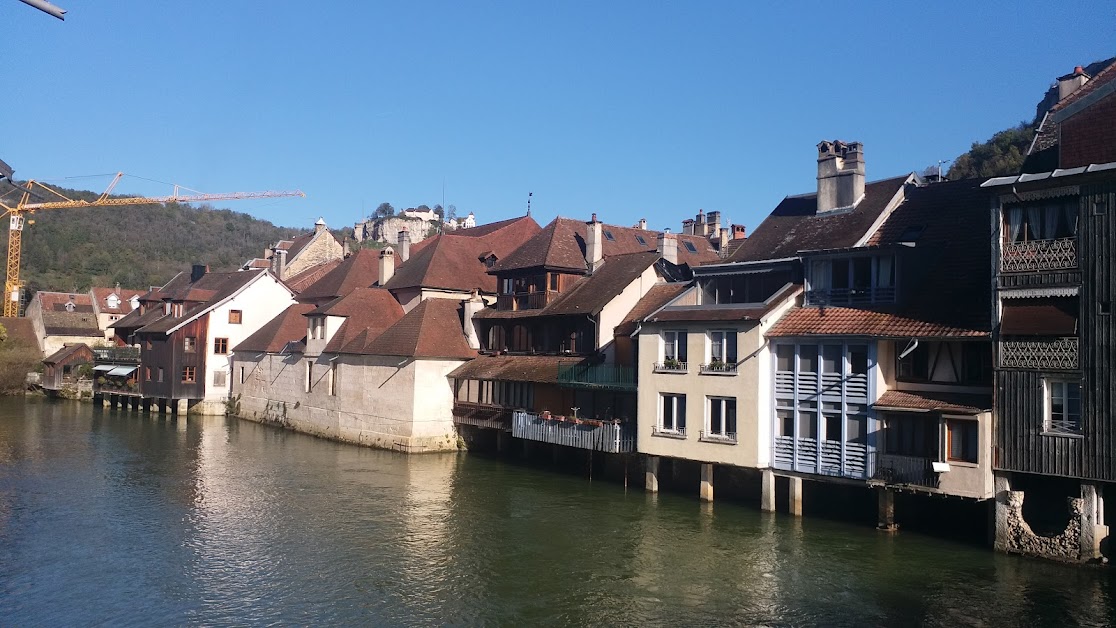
(651, 479)
(887, 511)
(706, 490)
(767, 491)
(795, 496)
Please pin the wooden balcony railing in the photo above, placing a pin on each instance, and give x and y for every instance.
(524, 300)
(481, 415)
(1038, 255)
(602, 376)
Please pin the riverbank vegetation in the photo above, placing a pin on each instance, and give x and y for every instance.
(17, 359)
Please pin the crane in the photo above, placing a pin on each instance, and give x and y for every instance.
(30, 201)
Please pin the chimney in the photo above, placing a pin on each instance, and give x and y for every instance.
(404, 240)
(738, 232)
(713, 219)
(320, 225)
(642, 224)
(840, 175)
(688, 226)
(279, 263)
(594, 244)
(725, 236)
(699, 223)
(387, 265)
(1072, 82)
(197, 272)
(668, 246)
(473, 305)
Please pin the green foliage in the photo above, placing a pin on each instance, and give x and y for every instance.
(384, 210)
(17, 359)
(1002, 155)
(137, 246)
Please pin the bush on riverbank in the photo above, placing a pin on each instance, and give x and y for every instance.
(17, 359)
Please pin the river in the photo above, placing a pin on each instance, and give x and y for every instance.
(114, 518)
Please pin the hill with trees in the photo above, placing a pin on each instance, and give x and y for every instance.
(136, 246)
(1001, 155)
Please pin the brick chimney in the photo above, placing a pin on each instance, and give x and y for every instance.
(1071, 82)
(739, 232)
(594, 244)
(404, 240)
(840, 175)
(473, 305)
(668, 246)
(387, 265)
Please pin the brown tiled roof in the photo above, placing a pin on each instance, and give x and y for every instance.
(199, 296)
(1046, 135)
(452, 260)
(359, 270)
(68, 352)
(432, 330)
(922, 401)
(561, 245)
(59, 322)
(658, 296)
(310, 276)
(844, 321)
(101, 295)
(289, 326)
(258, 262)
(20, 331)
(794, 225)
(1039, 317)
(368, 311)
(539, 369)
(1103, 77)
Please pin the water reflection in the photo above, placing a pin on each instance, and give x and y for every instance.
(116, 517)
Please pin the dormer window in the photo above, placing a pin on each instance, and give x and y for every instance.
(112, 301)
(134, 302)
(70, 307)
(859, 280)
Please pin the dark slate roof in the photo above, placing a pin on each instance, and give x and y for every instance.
(795, 226)
(658, 296)
(305, 279)
(432, 330)
(368, 311)
(561, 246)
(57, 321)
(198, 297)
(359, 270)
(67, 354)
(923, 401)
(20, 331)
(539, 369)
(943, 279)
(452, 261)
(289, 326)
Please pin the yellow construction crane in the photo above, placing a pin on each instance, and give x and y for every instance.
(27, 193)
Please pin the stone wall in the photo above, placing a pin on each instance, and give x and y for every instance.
(387, 229)
(321, 249)
(1079, 542)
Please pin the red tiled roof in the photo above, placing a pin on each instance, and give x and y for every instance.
(658, 296)
(101, 296)
(359, 270)
(923, 401)
(539, 369)
(795, 226)
(368, 311)
(432, 330)
(209, 290)
(289, 326)
(844, 321)
(310, 276)
(1103, 77)
(561, 245)
(57, 321)
(452, 261)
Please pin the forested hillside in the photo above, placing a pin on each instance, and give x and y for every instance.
(136, 246)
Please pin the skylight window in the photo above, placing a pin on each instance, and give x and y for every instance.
(608, 236)
(641, 241)
(689, 246)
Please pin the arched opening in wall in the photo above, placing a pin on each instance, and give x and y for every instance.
(1046, 506)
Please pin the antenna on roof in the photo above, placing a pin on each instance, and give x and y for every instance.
(529, 194)
(940, 162)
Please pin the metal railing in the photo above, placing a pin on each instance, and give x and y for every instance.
(116, 354)
(1069, 427)
(1036, 255)
(603, 376)
(1041, 353)
(851, 296)
(672, 366)
(714, 437)
(719, 368)
(607, 436)
(910, 470)
(679, 432)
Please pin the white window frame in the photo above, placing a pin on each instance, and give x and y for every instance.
(675, 428)
(1063, 426)
(724, 434)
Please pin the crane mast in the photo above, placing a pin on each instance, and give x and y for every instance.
(17, 214)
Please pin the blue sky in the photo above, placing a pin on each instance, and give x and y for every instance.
(627, 109)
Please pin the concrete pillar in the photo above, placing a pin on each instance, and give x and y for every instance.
(767, 491)
(501, 441)
(887, 511)
(795, 496)
(651, 481)
(706, 490)
(1089, 539)
(526, 449)
(554, 453)
(183, 407)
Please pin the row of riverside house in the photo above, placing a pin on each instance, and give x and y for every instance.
(936, 339)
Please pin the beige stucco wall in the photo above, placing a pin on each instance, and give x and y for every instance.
(387, 402)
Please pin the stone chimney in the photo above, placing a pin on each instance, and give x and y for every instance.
(387, 265)
(1071, 82)
(594, 244)
(279, 263)
(840, 175)
(320, 225)
(642, 224)
(724, 237)
(404, 240)
(198, 271)
(699, 223)
(668, 246)
(688, 226)
(713, 220)
(473, 305)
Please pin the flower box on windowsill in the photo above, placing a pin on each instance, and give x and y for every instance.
(719, 368)
(671, 366)
(679, 434)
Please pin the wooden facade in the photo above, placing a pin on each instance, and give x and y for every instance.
(170, 354)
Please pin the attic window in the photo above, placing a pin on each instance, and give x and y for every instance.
(608, 236)
(640, 239)
(689, 246)
(911, 233)
(490, 261)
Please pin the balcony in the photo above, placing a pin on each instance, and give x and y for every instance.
(672, 366)
(851, 296)
(524, 300)
(1040, 354)
(599, 376)
(1039, 255)
(719, 368)
(608, 436)
(905, 470)
(481, 415)
(129, 355)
